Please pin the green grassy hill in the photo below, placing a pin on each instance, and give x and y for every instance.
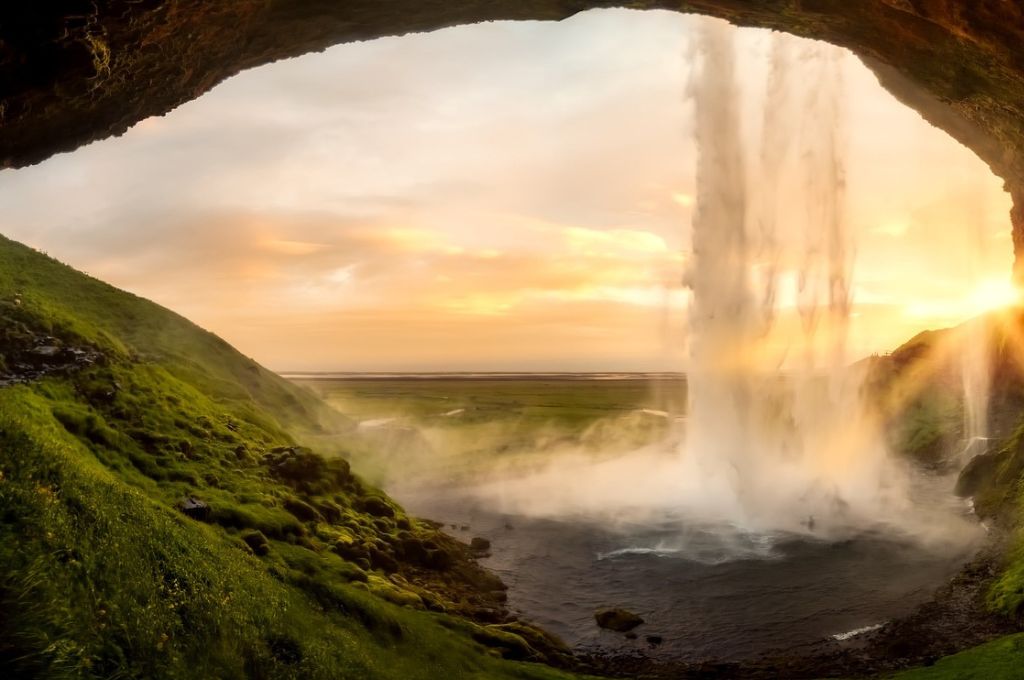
(285, 565)
(159, 518)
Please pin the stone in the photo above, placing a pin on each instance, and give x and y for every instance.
(195, 508)
(353, 552)
(301, 510)
(383, 561)
(478, 544)
(617, 619)
(376, 506)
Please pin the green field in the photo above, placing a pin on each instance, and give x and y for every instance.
(571, 400)
(442, 427)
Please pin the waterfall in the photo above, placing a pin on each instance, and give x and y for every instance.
(775, 449)
(976, 382)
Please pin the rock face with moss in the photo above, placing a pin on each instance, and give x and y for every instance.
(159, 519)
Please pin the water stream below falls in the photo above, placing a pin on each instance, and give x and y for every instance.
(708, 591)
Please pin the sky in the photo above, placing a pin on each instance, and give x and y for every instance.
(502, 196)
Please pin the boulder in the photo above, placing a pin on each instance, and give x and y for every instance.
(411, 548)
(479, 545)
(331, 511)
(351, 551)
(302, 511)
(195, 508)
(383, 561)
(376, 506)
(617, 619)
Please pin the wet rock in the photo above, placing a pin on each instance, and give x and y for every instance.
(978, 472)
(489, 615)
(479, 545)
(617, 619)
(195, 508)
(654, 640)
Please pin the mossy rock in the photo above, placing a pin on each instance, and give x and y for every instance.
(388, 591)
(377, 506)
(507, 643)
(257, 542)
(301, 510)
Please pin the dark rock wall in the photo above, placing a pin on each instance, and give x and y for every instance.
(72, 71)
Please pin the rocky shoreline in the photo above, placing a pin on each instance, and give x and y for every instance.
(955, 619)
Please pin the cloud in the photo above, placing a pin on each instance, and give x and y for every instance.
(499, 195)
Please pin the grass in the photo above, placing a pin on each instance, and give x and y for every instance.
(1000, 659)
(66, 302)
(454, 426)
(102, 581)
(296, 569)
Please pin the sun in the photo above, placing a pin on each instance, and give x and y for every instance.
(994, 293)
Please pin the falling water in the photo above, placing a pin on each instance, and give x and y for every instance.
(976, 381)
(975, 359)
(721, 313)
(777, 450)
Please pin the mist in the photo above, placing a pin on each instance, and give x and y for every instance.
(770, 443)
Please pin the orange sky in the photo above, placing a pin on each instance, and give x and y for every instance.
(507, 196)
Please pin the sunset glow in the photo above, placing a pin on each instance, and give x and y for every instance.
(502, 196)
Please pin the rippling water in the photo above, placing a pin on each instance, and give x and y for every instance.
(708, 591)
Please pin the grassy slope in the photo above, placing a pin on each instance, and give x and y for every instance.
(930, 410)
(128, 326)
(1001, 659)
(104, 577)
